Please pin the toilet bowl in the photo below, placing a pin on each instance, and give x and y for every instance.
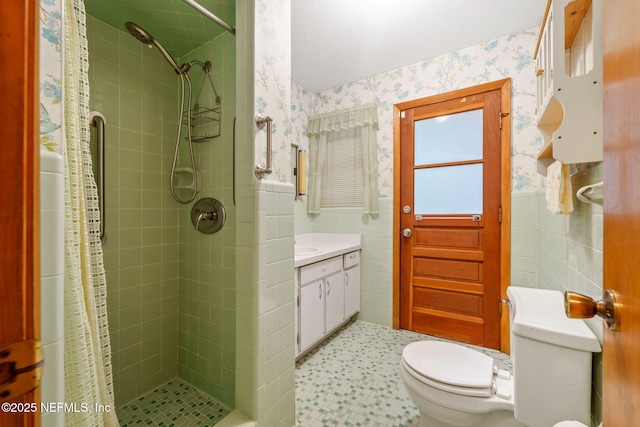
(453, 385)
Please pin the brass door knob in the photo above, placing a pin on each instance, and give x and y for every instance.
(578, 306)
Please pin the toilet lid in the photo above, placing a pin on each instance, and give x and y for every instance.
(450, 363)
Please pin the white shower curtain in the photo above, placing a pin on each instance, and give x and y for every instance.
(87, 364)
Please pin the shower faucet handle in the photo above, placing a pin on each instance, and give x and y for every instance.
(211, 215)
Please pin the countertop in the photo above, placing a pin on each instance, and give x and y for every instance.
(329, 245)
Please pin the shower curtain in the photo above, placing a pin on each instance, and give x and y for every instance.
(87, 364)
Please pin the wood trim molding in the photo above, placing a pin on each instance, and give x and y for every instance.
(19, 188)
(505, 195)
(396, 217)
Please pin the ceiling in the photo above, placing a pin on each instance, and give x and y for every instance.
(340, 41)
(335, 42)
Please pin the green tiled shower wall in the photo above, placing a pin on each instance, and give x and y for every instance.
(207, 323)
(149, 245)
(137, 93)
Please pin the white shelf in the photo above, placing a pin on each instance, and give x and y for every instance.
(569, 83)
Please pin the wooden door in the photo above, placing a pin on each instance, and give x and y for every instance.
(621, 349)
(19, 197)
(450, 217)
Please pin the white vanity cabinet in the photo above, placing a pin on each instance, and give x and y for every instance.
(318, 282)
(327, 295)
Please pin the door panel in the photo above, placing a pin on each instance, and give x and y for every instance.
(453, 326)
(426, 267)
(450, 237)
(334, 285)
(351, 291)
(19, 192)
(621, 349)
(456, 302)
(450, 161)
(311, 313)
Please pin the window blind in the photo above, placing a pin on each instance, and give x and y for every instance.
(343, 175)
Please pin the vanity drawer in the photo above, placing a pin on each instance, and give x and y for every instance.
(315, 271)
(351, 259)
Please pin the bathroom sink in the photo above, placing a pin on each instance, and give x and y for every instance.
(305, 250)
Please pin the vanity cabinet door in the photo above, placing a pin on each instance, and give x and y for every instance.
(311, 313)
(296, 317)
(351, 291)
(334, 287)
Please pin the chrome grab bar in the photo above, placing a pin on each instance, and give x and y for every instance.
(99, 121)
(262, 170)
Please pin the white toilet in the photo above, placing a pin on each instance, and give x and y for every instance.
(453, 385)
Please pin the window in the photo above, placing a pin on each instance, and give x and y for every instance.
(342, 176)
(344, 160)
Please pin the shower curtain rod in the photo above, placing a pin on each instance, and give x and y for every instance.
(210, 15)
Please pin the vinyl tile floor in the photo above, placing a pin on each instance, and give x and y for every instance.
(173, 404)
(352, 378)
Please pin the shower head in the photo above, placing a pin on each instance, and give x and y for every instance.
(139, 33)
(146, 38)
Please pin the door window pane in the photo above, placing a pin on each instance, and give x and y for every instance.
(453, 138)
(448, 190)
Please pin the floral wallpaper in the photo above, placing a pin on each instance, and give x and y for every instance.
(51, 74)
(273, 83)
(509, 56)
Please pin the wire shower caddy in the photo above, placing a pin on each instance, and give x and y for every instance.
(205, 119)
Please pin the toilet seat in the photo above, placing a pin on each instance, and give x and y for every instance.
(450, 367)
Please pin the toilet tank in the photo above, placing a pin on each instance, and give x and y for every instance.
(551, 357)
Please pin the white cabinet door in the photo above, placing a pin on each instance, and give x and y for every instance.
(311, 313)
(351, 291)
(296, 317)
(334, 314)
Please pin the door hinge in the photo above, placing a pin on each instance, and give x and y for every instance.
(20, 368)
(501, 302)
(298, 300)
(298, 338)
(402, 114)
(500, 214)
(501, 115)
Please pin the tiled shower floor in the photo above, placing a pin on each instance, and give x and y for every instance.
(352, 379)
(173, 404)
